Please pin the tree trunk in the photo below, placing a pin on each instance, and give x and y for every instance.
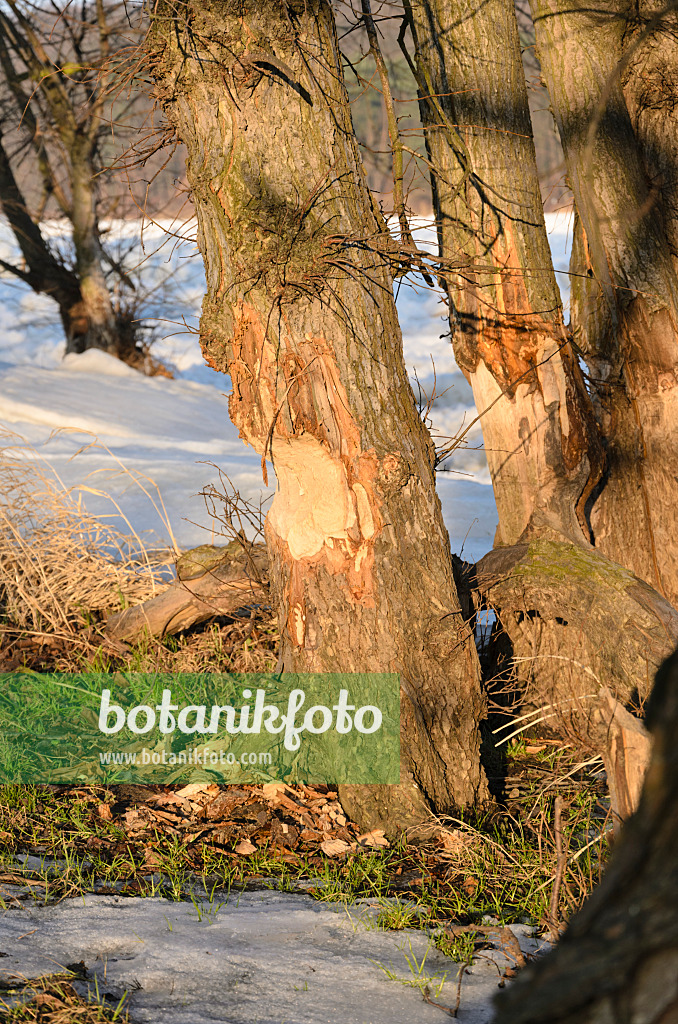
(91, 322)
(624, 292)
(506, 316)
(300, 311)
(618, 960)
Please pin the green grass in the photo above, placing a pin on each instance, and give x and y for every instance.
(500, 866)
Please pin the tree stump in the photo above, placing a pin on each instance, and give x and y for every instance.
(570, 621)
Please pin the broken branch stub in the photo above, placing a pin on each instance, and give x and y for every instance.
(626, 746)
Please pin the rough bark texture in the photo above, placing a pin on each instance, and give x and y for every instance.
(299, 309)
(506, 316)
(575, 621)
(624, 292)
(618, 960)
(650, 83)
(93, 324)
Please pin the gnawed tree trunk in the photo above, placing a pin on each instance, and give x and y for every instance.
(299, 310)
(506, 316)
(570, 621)
(624, 292)
(618, 960)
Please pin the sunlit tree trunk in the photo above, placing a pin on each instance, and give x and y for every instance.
(506, 316)
(625, 289)
(299, 310)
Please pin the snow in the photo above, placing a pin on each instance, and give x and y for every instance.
(262, 957)
(103, 426)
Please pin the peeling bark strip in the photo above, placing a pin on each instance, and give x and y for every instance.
(299, 310)
(625, 289)
(506, 316)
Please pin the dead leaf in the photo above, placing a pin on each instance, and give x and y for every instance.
(133, 820)
(374, 838)
(223, 803)
(152, 859)
(334, 847)
(452, 842)
(245, 847)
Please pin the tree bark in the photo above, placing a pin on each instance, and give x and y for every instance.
(505, 309)
(618, 960)
(624, 292)
(300, 311)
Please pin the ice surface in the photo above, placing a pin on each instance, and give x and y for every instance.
(272, 958)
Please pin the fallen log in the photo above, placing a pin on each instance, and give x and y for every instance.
(231, 582)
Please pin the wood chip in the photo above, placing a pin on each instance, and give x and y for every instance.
(271, 790)
(196, 790)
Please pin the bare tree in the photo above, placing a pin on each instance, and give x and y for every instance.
(61, 79)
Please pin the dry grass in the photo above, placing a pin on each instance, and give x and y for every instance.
(64, 569)
(60, 565)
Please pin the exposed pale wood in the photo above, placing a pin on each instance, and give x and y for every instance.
(626, 747)
(506, 317)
